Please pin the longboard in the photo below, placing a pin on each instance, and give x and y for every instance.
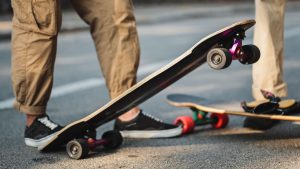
(219, 109)
(228, 39)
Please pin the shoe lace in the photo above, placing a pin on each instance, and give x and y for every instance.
(153, 118)
(48, 123)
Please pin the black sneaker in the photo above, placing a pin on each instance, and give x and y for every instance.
(146, 126)
(271, 108)
(40, 132)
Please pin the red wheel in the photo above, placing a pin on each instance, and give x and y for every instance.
(221, 120)
(186, 122)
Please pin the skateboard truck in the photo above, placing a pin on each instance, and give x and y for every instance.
(201, 118)
(80, 148)
(221, 56)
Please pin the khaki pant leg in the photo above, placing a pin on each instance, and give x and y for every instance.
(268, 36)
(113, 28)
(34, 39)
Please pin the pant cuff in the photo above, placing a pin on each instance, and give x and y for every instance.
(116, 93)
(30, 110)
(279, 91)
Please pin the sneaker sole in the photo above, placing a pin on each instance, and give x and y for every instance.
(37, 143)
(151, 133)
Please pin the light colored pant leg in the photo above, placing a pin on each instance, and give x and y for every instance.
(113, 28)
(269, 37)
(34, 39)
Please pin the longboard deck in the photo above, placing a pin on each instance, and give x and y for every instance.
(149, 86)
(223, 107)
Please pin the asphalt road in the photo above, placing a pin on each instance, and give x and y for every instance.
(79, 89)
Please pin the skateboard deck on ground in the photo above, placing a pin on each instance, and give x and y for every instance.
(228, 107)
(220, 109)
(151, 85)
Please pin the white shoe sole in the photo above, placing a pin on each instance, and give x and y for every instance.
(37, 143)
(152, 133)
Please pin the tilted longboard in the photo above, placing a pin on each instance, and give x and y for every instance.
(220, 110)
(151, 85)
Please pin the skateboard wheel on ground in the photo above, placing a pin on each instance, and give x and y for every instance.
(114, 139)
(251, 54)
(77, 149)
(221, 120)
(219, 58)
(186, 122)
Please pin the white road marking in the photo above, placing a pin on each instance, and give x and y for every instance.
(84, 84)
(76, 86)
(164, 30)
(296, 123)
(6, 104)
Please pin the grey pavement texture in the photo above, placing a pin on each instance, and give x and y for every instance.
(162, 40)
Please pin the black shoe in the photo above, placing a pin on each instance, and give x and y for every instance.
(146, 126)
(40, 132)
(259, 123)
(263, 108)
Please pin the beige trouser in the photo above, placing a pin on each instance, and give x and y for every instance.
(35, 27)
(268, 36)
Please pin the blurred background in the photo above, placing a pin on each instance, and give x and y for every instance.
(5, 4)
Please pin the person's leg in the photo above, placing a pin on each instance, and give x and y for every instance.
(268, 36)
(34, 36)
(267, 73)
(112, 25)
(113, 28)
